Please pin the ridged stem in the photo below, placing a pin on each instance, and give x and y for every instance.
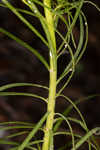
(53, 77)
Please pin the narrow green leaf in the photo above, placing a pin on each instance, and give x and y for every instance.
(78, 9)
(66, 133)
(8, 142)
(12, 85)
(80, 44)
(76, 108)
(86, 40)
(22, 94)
(75, 135)
(15, 134)
(16, 127)
(35, 142)
(32, 133)
(75, 120)
(37, 2)
(16, 122)
(69, 125)
(24, 44)
(73, 63)
(14, 10)
(93, 4)
(85, 138)
(70, 107)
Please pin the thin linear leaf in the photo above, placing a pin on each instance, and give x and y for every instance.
(66, 133)
(37, 2)
(35, 142)
(12, 85)
(85, 138)
(69, 109)
(11, 143)
(16, 122)
(78, 9)
(75, 135)
(29, 147)
(76, 121)
(26, 12)
(8, 142)
(13, 9)
(21, 10)
(16, 134)
(69, 125)
(77, 50)
(86, 40)
(45, 25)
(74, 106)
(93, 4)
(22, 94)
(24, 44)
(73, 64)
(16, 127)
(32, 133)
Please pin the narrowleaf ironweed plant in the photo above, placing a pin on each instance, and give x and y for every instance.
(69, 12)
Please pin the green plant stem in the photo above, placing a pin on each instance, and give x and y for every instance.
(53, 77)
(51, 107)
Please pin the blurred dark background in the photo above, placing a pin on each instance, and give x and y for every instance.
(19, 65)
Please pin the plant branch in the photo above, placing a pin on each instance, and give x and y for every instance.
(48, 143)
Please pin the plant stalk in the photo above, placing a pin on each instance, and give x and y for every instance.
(53, 78)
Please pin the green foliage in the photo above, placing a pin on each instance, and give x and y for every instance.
(55, 12)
